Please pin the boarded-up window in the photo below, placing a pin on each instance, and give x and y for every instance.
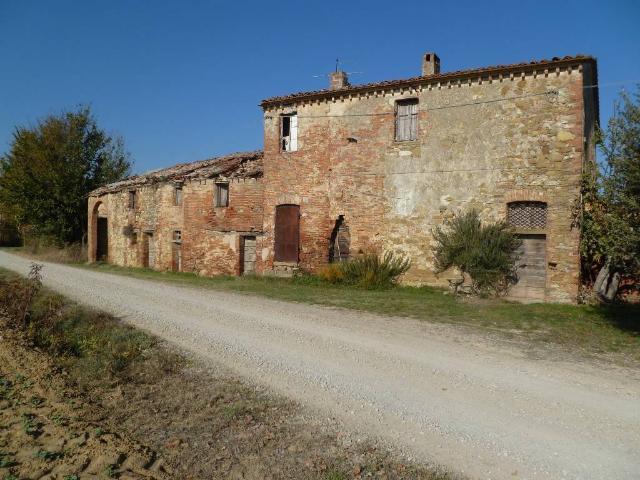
(407, 119)
(132, 199)
(177, 196)
(289, 133)
(222, 195)
(527, 215)
(287, 233)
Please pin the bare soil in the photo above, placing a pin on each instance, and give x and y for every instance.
(169, 417)
(49, 431)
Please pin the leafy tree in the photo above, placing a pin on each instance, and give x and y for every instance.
(485, 252)
(49, 170)
(611, 196)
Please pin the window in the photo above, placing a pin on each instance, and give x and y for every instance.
(527, 215)
(132, 199)
(289, 133)
(177, 236)
(134, 238)
(177, 196)
(222, 194)
(406, 120)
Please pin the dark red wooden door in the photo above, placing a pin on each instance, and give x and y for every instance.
(287, 233)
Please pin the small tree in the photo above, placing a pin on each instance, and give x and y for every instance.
(610, 220)
(486, 253)
(50, 169)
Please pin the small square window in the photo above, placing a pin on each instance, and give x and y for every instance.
(177, 196)
(132, 199)
(222, 195)
(177, 236)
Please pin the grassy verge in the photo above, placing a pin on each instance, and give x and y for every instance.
(593, 329)
(589, 329)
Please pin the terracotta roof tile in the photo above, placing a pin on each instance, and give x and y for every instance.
(234, 165)
(474, 72)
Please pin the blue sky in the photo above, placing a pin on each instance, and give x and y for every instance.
(181, 81)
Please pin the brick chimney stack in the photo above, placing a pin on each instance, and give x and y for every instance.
(338, 79)
(430, 64)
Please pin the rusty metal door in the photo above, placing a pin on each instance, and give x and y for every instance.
(248, 255)
(532, 269)
(287, 233)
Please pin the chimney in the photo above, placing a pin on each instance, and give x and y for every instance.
(338, 79)
(430, 64)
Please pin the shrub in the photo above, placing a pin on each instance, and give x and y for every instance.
(368, 271)
(487, 253)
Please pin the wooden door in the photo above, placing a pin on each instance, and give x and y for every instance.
(532, 269)
(287, 233)
(149, 248)
(248, 255)
(176, 263)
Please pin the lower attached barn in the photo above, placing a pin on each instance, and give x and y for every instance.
(201, 217)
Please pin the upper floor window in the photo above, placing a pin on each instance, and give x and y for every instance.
(406, 119)
(177, 195)
(222, 195)
(527, 215)
(289, 132)
(132, 199)
(177, 236)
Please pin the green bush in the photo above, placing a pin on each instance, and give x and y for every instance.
(368, 271)
(487, 253)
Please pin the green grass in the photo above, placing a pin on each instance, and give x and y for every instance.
(590, 328)
(96, 347)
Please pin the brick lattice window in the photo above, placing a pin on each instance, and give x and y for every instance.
(527, 215)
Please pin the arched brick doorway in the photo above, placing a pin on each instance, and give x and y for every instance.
(99, 237)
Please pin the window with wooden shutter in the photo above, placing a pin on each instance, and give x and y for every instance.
(132, 199)
(407, 120)
(177, 196)
(222, 194)
(289, 133)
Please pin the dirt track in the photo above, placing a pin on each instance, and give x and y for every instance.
(438, 393)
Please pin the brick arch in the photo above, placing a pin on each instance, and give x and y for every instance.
(523, 195)
(93, 229)
(289, 199)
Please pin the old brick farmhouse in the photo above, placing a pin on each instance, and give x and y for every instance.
(359, 167)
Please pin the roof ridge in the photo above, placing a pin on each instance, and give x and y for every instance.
(555, 61)
(181, 171)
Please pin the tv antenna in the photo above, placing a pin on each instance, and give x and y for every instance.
(337, 69)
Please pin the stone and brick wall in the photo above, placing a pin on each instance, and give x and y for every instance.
(484, 138)
(481, 143)
(210, 234)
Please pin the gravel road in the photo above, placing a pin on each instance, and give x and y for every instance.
(437, 393)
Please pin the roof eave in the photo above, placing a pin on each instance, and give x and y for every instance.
(426, 80)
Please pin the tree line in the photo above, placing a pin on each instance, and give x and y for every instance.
(49, 170)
